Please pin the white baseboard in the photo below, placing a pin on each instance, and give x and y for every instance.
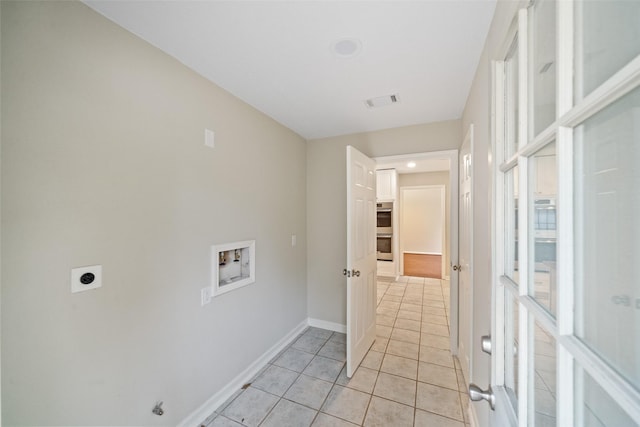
(214, 402)
(331, 326)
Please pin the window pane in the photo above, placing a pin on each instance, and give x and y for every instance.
(594, 407)
(543, 65)
(543, 188)
(607, 34)
(607, 234)
(511, 226)
(511, 348)
(511, 100)
(544, 380)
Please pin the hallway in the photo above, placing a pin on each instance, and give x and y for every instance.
(408, 377)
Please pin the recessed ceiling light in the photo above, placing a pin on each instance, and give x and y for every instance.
(346, 48)
(411, 165)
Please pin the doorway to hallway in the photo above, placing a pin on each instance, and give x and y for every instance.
(436, 161)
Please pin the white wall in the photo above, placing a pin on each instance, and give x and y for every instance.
(422, 226)
(103, 162)
(478, 112)
(327, 208)
(433, 178)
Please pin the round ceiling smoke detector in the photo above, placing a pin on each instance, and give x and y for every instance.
(346, 48)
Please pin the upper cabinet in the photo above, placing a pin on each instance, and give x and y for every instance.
(387, 184)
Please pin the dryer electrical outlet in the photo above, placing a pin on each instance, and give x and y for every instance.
(86, 278)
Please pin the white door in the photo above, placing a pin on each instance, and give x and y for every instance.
(465, 327)
(361, 257)
(566, 333)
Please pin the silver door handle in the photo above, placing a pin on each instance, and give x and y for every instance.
(457, 268)
(346, 272)
(476, 394)
(355, 273)
(485, 343)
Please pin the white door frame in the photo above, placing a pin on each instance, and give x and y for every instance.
(452, 156)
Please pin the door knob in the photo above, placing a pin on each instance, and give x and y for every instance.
(476, 394)
(355, 273)
(457, 268)
(346, 272)
(485, 343)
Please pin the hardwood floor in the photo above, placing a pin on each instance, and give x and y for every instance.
(420, 265)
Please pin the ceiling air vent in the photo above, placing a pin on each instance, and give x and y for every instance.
(382, 101)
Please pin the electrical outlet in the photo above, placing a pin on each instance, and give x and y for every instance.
(209, 138)
(205, 295)
(86, 278)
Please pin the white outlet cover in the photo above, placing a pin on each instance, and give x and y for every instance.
(76, 278)
(205, 295)
(209, 138)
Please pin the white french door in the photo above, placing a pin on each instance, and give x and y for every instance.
(361, 257)
(566, 332)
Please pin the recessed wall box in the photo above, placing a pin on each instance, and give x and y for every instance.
(233, 266)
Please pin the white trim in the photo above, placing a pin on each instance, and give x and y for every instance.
(214, 402)
(565, 275)
(564, 56)
(505, 417)
(616, 385)
(330, 326)
(467, 369)
(423, 253)
(497, 223)
(618, 85)
(424, 155)
(523, 132)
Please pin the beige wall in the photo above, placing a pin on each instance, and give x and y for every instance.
(478, 112)
(103, 162)
(327, 208)
(433, 178)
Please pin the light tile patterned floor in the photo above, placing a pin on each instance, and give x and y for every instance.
(408, 377)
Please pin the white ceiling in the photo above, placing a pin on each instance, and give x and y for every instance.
(277, 55)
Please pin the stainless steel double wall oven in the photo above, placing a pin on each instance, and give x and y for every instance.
(385, 231)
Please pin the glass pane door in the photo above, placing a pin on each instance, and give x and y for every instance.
(607, 246)
(567, 207)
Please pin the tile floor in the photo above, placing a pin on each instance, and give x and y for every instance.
(408, 377)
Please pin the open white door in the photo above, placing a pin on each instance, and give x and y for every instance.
(465, 293)
(361, 257)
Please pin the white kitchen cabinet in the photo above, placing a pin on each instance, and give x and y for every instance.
(387, 185)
